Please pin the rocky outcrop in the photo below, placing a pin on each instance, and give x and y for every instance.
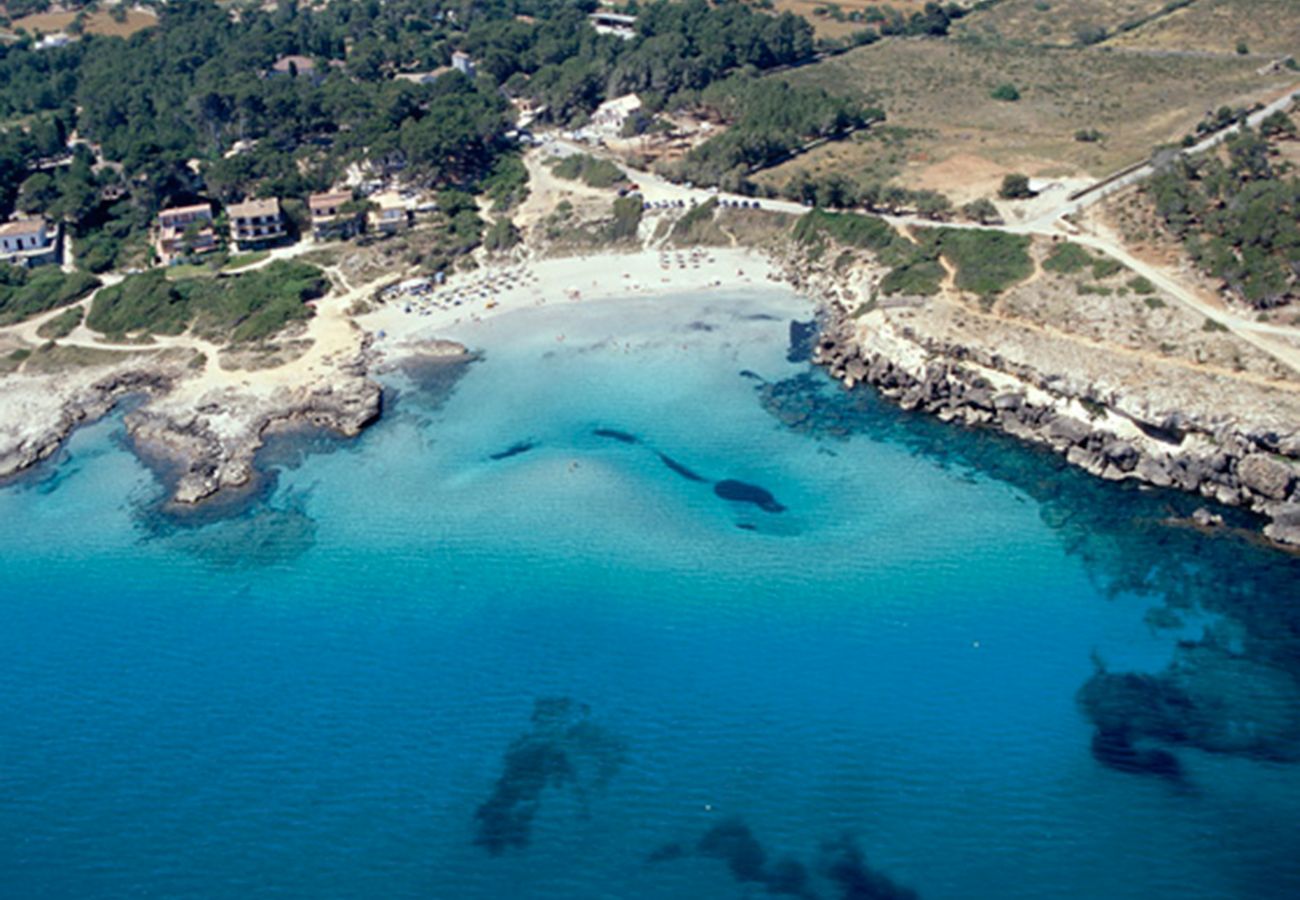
(213, 448)
(1222, 459)
(201, 434)
(30, 436)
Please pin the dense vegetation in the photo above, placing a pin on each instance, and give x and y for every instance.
(593, 172)
(770, 121)
(197, 88)
(235, 309)
(25, 293)
(987, 262)
(836, 191)
(1238, 214)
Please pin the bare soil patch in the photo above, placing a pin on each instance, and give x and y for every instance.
(98, 22)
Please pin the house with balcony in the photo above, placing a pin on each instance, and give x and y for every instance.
(29, 242)
(185, 231)
(255, 223)
(333, 216)
(391, 214)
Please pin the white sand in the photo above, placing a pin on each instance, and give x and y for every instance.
(451, 310)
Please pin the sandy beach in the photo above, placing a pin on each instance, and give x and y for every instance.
(452, 309)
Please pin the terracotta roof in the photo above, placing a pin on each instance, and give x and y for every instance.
(193, 208)
(252, 209)
(328, 199)
(22, 227)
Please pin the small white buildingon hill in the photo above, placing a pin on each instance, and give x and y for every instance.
(29, 242)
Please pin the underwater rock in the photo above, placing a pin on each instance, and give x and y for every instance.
(846, 866)
(803, 338)
(620, 436)
(564, 748)
(740, 492)
(681, 469)
(732, 842)
(1210, 697)
(513, 450)
(668, 852)
(1114, 750)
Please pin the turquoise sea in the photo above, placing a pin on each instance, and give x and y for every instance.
(640, 605)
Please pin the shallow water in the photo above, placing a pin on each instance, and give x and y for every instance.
(657, 615)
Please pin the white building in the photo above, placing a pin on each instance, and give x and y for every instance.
(609, 117)
(461, 62)
(28, 242)
(618, 24)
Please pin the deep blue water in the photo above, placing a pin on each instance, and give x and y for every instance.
(660, 615)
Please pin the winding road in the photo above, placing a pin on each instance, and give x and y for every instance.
(1278, 341)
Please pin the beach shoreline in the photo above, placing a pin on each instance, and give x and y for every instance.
(205, 422)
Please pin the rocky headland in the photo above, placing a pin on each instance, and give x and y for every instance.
(1213, 416)
(200, 426)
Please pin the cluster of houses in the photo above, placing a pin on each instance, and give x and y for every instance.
(184, 231)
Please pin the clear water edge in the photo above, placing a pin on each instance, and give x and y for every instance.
(895, 657)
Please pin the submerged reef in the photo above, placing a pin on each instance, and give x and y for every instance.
(1211, 697)
(846, 865)
(613, 434)
(841, 864)
(564, 748)
(681, 470)
(515, 449)
(740, 492)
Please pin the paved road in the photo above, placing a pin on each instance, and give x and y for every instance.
(1105, 189)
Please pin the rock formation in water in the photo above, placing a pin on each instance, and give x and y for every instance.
(564, 748)
(1167, 437)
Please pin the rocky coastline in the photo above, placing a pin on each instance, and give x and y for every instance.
(205, 442)
(1106, 433)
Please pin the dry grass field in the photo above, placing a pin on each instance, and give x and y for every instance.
(951, 135)
(1267, 28)
(817, 12)
(98, 22)
(1058, 23)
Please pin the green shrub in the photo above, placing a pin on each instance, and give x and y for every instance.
(1142, 286)
(1067, 258)
(987, 262)
(593, 172)
(1104, 267)
(24, 293)
(983, 211)
(627, 219)
(146, 303)
(923, 278)
(61, 325)
(237, 309)
(1006, 92)
(1016, 187)
(501, 236)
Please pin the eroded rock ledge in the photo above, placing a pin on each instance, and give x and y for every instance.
(41, 412)
(204, 432)
(1111, 433)
(210, 456)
